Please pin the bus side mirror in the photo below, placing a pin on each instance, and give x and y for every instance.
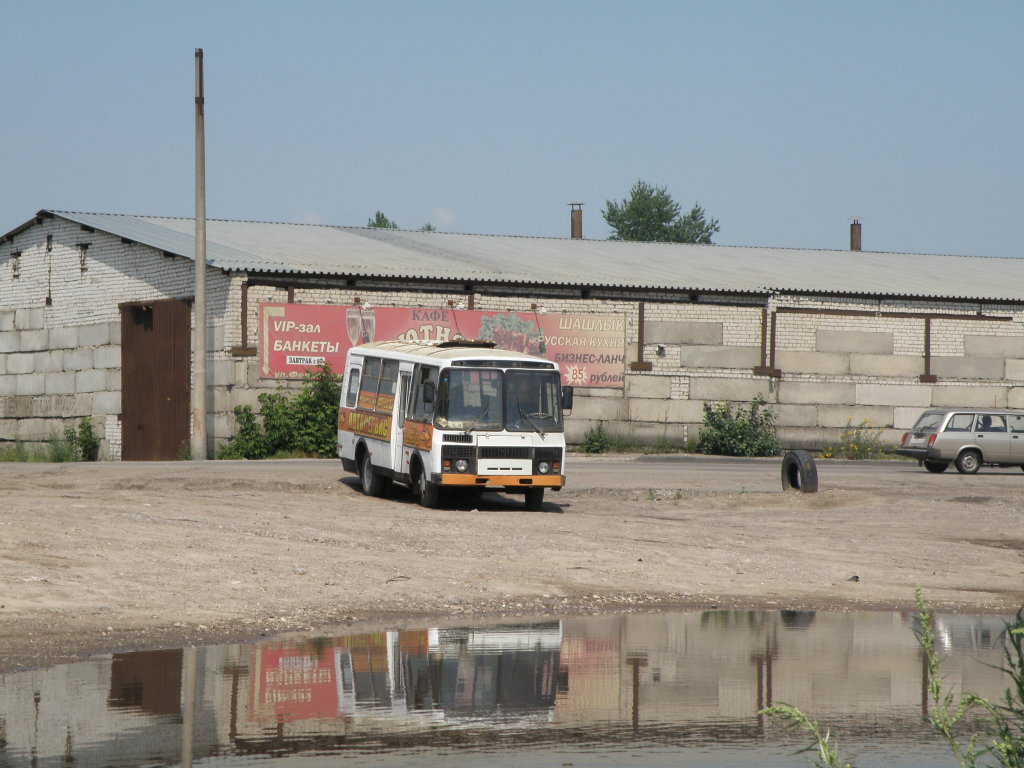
(566, 398)
(428, 393)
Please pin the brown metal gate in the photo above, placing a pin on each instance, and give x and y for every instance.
(155, 362)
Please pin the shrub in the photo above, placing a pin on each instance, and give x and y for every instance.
(306, 425)
(747, 432)
(595, 440)
(83, 444)
(860, 442)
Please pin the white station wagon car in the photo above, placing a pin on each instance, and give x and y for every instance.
(966, 438)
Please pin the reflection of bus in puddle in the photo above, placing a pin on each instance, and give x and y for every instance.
(401, 680)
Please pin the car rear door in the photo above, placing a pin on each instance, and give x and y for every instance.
(1016, 424)
(993, 439)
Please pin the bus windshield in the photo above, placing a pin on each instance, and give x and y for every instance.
(521, 400)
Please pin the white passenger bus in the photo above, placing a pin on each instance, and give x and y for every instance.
(459, 416)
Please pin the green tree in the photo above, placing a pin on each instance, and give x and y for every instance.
(650, 214)
(380, 221)
(428, 227)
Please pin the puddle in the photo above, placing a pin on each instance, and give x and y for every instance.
(651, 690)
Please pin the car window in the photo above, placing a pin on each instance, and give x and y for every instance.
(987, 422)
(1016, 423)
(960, 422)
(928, 422)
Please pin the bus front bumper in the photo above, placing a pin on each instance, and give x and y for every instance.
(555, 482)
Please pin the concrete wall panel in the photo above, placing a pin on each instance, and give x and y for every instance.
(969, 367)
(20, 362)
(904, 418)
(720, 357)
(78, 359)
(854, 415)
(648, 386)
(34, 341)
(95, 335)
(812, 393)
(867, 342)
(796, 415)
(886, 365)
(686, 411)
(741, 390)
(64, 338)
(107, 357)
(90, 381)
(652, 434)
(812, 362)
(894, 394)
(993, 346)
(599, 408)
(31, 383)
(969, 397)
(676, 332)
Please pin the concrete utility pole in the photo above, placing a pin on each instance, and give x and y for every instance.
(199, 305)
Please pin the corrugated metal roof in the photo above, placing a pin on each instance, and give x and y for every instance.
(264, 247)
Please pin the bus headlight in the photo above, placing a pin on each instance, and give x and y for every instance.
(543, 467)
(461, 465)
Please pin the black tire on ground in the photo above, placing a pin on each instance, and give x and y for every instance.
(968, 462)
(799, 472)
(938, 466)
(373, 483)
(534, 498)
(430, 494)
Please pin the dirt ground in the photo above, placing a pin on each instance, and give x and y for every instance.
(116, 556)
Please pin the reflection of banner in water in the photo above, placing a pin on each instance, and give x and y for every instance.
(397, 672)
(292, 684)
(589, 349)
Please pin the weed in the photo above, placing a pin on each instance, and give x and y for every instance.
(856, 442)
(595, 440)
(599, 440)
(747, 432)
(84, 444)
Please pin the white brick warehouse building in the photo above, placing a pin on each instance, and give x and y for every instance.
(95, 320)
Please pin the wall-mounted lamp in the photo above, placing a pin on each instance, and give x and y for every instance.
(661, 350)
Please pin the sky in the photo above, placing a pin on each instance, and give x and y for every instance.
(784, 119)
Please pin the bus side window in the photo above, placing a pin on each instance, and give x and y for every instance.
(421, 409)
(352, 395)
(388, 386)
(368, 385)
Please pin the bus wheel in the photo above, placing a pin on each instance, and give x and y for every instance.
(534, 498)
(373, 483)
(429, 493)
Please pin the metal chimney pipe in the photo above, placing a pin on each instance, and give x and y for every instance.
(576, 221)
(855, 235)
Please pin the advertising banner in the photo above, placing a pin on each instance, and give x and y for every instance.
(589, 349)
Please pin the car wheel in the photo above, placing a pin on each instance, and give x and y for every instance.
(430, 494)
(373, 483)
(938, 466)
(968, 462)
(534, 498)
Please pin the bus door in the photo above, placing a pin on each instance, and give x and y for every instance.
(399, 453)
